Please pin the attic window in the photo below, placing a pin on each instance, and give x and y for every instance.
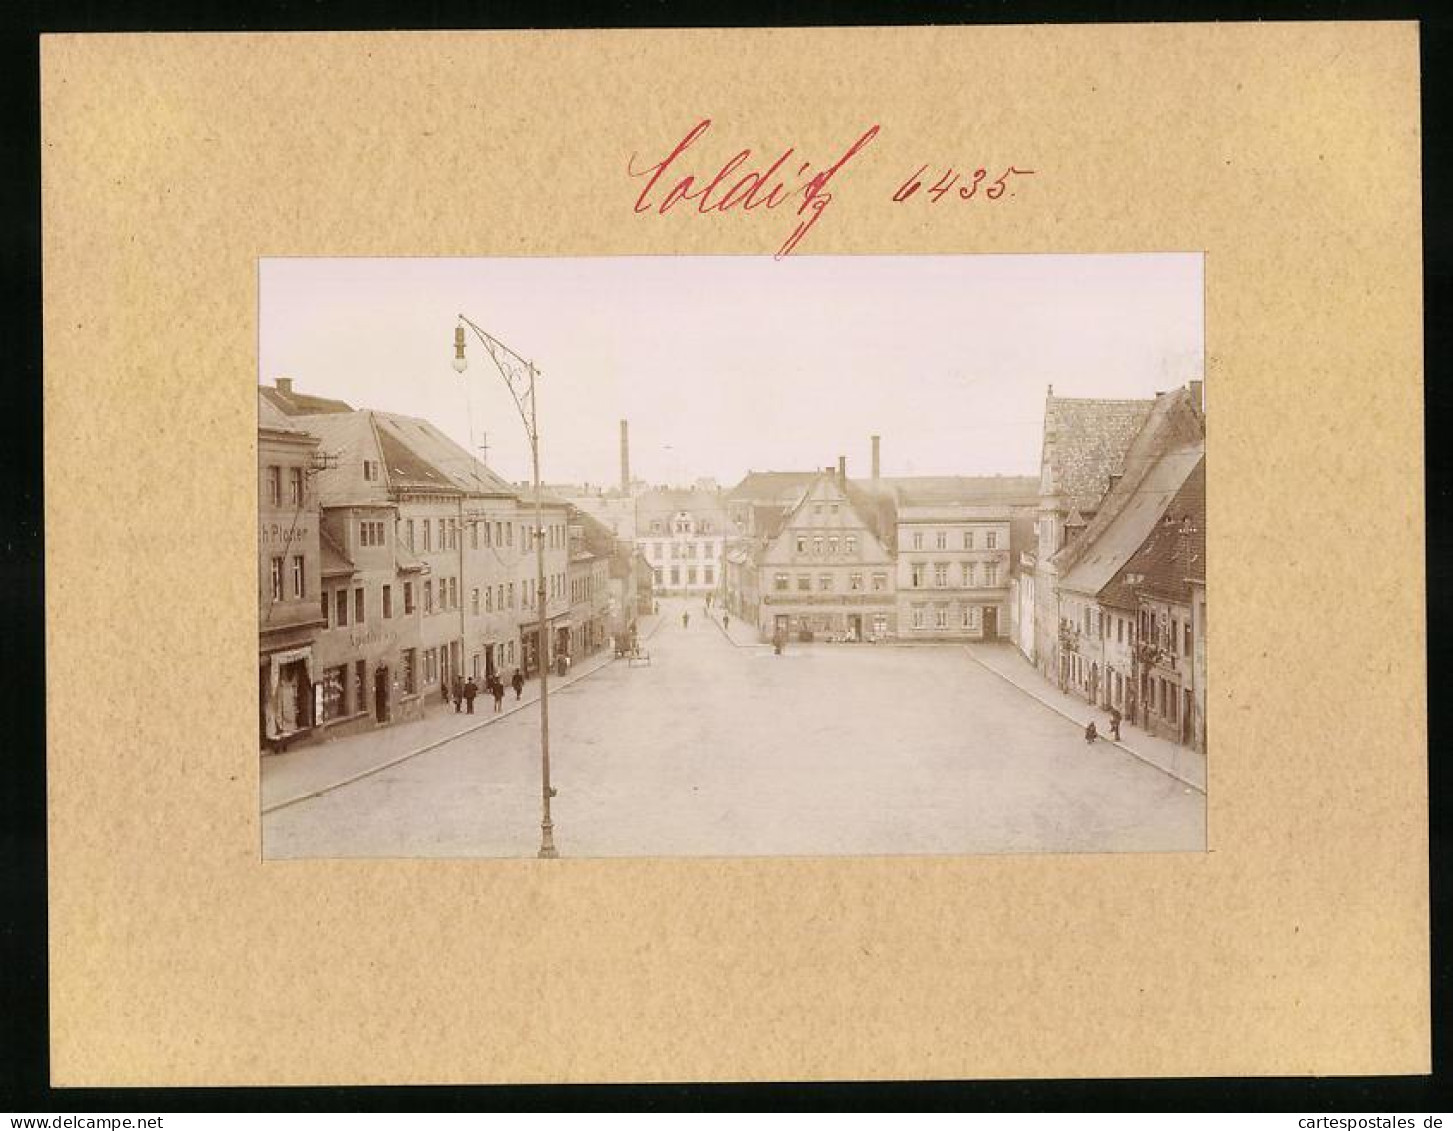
(370, 470)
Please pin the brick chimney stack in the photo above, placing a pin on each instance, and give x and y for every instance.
(625, 459)
(842, 473)
(284, 385)
(875, 461)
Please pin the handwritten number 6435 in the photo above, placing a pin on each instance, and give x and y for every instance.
(965, 186)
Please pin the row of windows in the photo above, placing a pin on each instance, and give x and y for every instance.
(682, 550)
(707, 575)
(971, 617)
(825, 584)
(1167, 633)
(426, 535)
(583, 589)
(829, 543)
(941, 539)
(968, 574)
(296, 486)
(680, 526)
(279, 579)
(489, 599)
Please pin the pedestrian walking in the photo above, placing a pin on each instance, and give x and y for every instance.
(471, 689)
(518, 683)
(1090, 733)
(497, 689)
(1115, 723)
(725, 622)
(685, 619)
(458, 694)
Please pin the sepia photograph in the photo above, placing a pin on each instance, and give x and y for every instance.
(731, 556)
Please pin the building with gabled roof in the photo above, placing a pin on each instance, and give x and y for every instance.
(1162, 586)
(683, 534)
(1094, 453)
(827, 572)
(283, 398)
(1097, 637)
(444, 585)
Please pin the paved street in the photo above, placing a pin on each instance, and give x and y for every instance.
(721, 748)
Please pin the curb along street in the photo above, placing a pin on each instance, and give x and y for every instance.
(1065, 714)
(562, 685)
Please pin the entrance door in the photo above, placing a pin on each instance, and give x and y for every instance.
(855, 626)
(380, 695)
(991, 623)
(489, 666)
(1186, 705)
(781, 624)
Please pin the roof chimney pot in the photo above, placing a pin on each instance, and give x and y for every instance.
(284, 385)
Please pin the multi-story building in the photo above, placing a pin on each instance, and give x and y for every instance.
(1084, 444)
(556, 583)
(592, 547)
(368, 645)
(1160, 593)
(462, 552)
(829, 570)
(1099, 631)
(954, 553)
(682, 534)
(289, 564)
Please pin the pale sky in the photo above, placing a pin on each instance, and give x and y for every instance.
(728, 363)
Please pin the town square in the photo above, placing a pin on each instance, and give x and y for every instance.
(858, 655)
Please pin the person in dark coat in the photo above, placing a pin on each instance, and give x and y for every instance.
(685, 619)
(497, 689)
(1115, 723)
(471, 689)
(458, 693)
(1091, 733)
(726, 622)
(518, 683)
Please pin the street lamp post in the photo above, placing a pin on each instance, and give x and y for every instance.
(510, 365)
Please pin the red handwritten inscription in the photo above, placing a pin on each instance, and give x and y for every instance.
(767, 187)
(967, 190)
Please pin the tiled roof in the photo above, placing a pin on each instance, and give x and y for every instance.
(436, 459)
(1173, 554)
(772, 486)
(335, 562)
(272, 418)
(350, 437)
(1084, 442)
(965, 490)
(767, 518)
(301, 404)
(1174, 423)
(661, 502)
(1136, 519)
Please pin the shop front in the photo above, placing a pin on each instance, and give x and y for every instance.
(836, 623)
(287, 706)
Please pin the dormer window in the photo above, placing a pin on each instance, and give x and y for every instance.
(371, 470)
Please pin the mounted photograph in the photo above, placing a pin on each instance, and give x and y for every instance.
(731, 556)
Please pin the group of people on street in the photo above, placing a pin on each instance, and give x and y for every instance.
(465, 691)
(1091, 734)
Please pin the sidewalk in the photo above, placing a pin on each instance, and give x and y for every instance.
(1178, 761)
(311, 770)
(740, 632)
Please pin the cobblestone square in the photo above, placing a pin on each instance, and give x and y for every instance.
(721, 748)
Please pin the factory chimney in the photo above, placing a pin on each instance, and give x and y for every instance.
(842, 473)
(875, 461)
(625, 460)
